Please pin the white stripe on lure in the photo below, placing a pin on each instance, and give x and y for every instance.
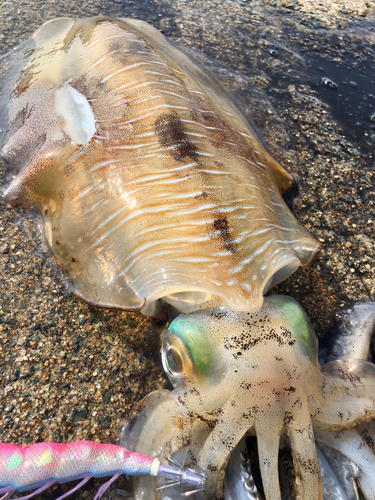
(39, 466)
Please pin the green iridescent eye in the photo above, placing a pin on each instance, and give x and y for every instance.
(186, 350)
(300, 323)
(297, 322)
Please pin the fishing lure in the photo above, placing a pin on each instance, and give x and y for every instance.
(38, 466)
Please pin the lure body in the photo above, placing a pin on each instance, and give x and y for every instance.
(38, 466)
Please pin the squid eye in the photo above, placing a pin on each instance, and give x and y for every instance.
(186, 351)
(176, 358)
(298, 323)
(174, 363)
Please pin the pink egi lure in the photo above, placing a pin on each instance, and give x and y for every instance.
(39, 466)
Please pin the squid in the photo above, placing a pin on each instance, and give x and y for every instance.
(158, 195)
(238, 374)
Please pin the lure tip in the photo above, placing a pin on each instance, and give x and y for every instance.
(190, 477)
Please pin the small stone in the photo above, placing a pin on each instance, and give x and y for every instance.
(78, 415)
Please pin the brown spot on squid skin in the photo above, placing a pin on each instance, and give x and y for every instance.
(24, 83)
(369, 440)
(220, 230)
(220, 133)
(201, 196)
(348, 376)
(211, 424)
(172, 136)
(308, 465)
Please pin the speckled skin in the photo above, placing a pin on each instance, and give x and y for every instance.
(160, 188)
(240, 373)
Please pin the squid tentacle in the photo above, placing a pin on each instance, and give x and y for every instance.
(356, 445)
(356, 327)
(218, 446)
(309, 485)
(268, 451)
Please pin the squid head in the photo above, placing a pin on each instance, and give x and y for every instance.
(238, 374)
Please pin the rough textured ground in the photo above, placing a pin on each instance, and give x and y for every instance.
(70, 371)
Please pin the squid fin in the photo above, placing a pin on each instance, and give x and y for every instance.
(284, 180)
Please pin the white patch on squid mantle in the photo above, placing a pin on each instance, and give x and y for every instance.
(76, 111)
